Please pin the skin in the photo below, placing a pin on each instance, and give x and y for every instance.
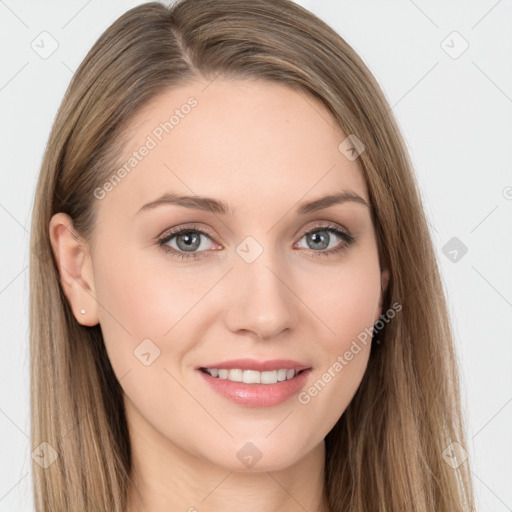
(263, 149)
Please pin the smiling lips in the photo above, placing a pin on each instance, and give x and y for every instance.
(256, 383)
(251, 371)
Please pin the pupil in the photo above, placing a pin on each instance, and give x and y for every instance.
(319, 238)
(191, 241)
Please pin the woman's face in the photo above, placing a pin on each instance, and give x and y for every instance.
(268, 279)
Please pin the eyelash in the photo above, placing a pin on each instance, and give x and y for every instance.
(343, 246)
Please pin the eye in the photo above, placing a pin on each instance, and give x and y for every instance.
(185, 242)
(191, 242)
(322, 240)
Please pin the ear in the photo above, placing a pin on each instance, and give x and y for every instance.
(75, 269)
(384, 280)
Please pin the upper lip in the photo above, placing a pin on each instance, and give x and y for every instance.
(261, 366)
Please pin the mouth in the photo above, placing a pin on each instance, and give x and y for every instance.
(254, 376)
(274, 383)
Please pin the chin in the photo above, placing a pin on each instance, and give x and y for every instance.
(259, 455)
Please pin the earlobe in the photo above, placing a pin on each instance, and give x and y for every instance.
(75, 269)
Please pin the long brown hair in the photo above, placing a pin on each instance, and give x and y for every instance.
(386, 451)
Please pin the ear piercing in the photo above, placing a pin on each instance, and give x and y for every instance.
(82, 311)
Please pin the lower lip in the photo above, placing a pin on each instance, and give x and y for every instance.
(257, 395)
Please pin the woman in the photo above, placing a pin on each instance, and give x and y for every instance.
(236, 301)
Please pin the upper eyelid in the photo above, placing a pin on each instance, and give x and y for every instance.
(325, 225)
(176, 231)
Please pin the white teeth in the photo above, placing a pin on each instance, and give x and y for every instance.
(269, 377)
(236, 375)
(252, 376)
(281, 375)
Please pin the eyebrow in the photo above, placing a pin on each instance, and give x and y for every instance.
(209, 204)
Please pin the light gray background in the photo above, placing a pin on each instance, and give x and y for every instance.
(455, 114)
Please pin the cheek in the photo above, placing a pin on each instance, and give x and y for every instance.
(348, 300)
(349, 319)
(135, 304)
(347, 306)
(145, 298)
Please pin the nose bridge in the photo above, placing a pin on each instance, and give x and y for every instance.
(261, 301)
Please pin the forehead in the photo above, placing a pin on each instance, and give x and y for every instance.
(245, 142)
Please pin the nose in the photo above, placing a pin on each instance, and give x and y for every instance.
(261, 297)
